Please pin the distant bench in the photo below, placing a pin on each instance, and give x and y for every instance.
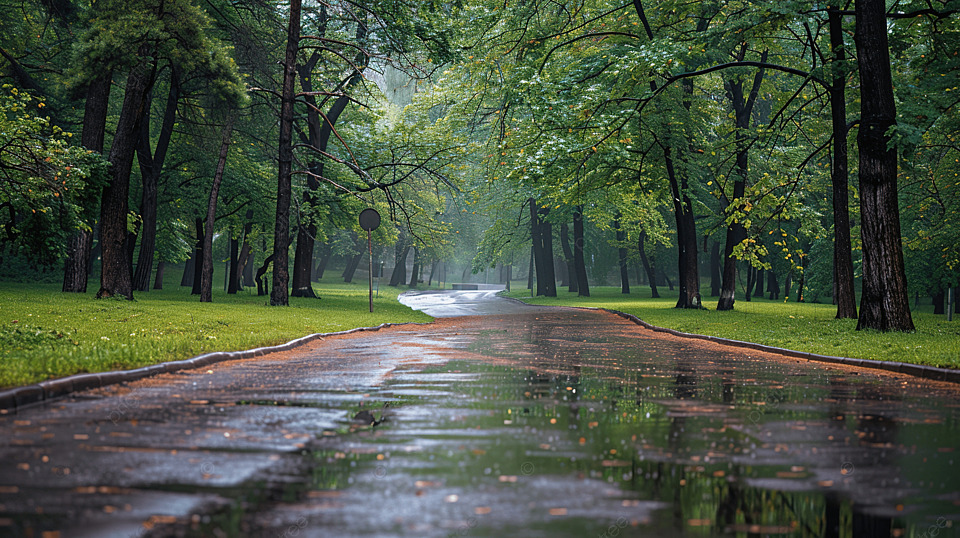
(478, 286)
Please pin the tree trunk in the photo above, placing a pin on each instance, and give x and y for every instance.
(206, 281)
(233, 271)
(648, 266)
(281, 232)
(151, 164)
(687, 265)
(238, 262)
(773, 287)
(579, 264)
(325, 251)
(622, 256)
(198, 259)
(758, 291)
(939, 299)
(531, 268)
(571, 271)
(415, 273)
(546, 236)
(187, 279)
(743, 108)
(158, 281)
(351, 267)
(884, 304)
(399, 274)
(752, 276)
(115, 274)
(320, 130)
(845, 296)
(75, 272)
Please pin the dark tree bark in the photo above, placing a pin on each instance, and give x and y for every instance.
(752, 276)
(648, 266)
(531, 268)
(206, 282)
(571, 271)
(715, 269)
(845, 295)
(579, 264)
(325, 251)
(233, 278)
(884, 304)
(239, 263)
(352, 264)
(116, 275)
(758, 290)
(542, 258)
(687, 265)
(75, 271)
(281, 232)
(158, 281)
(151, 164)
(399, 274)
(198, 259)
(773, 287)
(622, 257)
(186, 280)
(736, 233)
(320, 130)
(939, 299)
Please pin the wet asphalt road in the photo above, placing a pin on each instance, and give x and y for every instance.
(519, 421)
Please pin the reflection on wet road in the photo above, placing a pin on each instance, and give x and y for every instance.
(522, 422)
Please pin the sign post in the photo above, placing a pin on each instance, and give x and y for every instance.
(370, 221)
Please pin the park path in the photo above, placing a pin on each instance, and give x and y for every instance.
(514, 420)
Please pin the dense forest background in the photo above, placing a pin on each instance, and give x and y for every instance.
(799, 149)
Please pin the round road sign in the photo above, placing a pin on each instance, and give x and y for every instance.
(369, 219)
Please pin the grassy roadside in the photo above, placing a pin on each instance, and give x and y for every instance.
(799, 326)
(45, 333)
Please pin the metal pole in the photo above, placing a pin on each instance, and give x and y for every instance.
(370, 266)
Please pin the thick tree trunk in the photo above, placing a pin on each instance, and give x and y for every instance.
(542, 257)
(198, 259)
(845, 296)
(579, 263)
(736, 233)
(281, 232)
(158, 281)
(752, 276)
(546, 236)
(531, 268)
(773, 286)
(325, 251)
(648, 266)
(116, 275)
(76, 273)
(568, 258)
(622, 256)
(884, 304)
(233, 272)
(758, 290)
(206, 283)
(186, 280)
(352, 264)
(415, 273)
(715, 269)
(939, 299)
(399, 274)
(151, 164)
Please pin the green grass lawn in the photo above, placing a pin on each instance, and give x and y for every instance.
(45, 333)
(798, 326)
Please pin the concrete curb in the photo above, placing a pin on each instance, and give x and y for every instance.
(917, 370)
(13, 399)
